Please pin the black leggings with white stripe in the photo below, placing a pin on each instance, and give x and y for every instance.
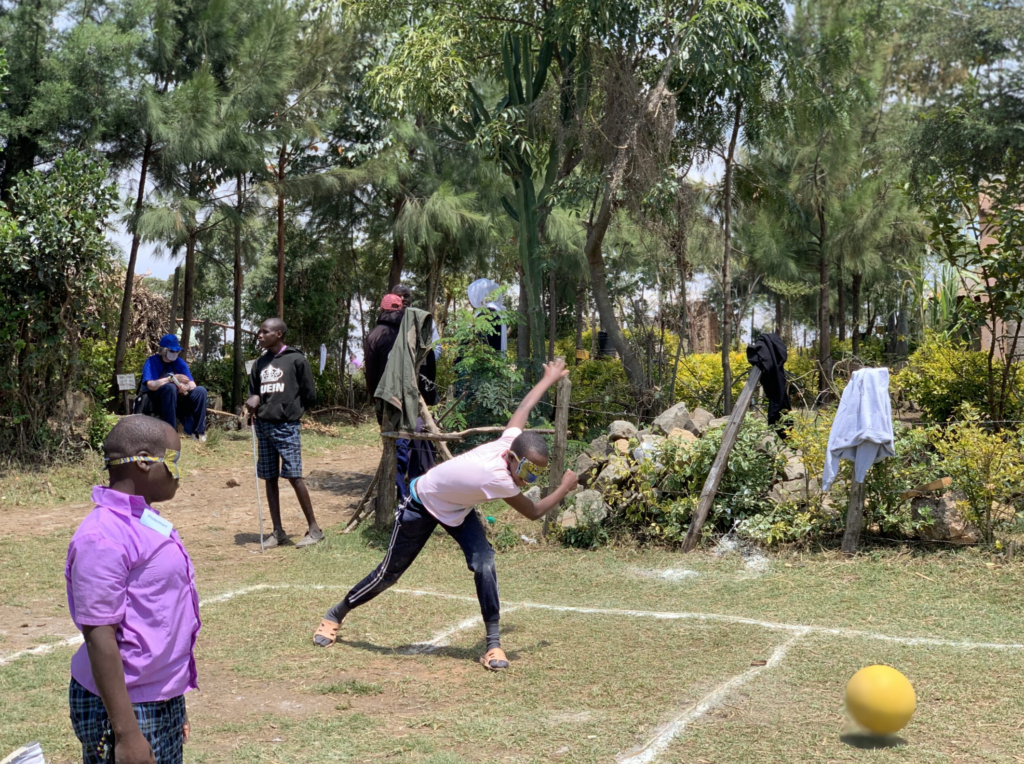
(413, 526)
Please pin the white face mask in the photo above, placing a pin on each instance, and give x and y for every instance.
(170, 357)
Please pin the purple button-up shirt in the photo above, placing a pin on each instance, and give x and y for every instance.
(122, 572)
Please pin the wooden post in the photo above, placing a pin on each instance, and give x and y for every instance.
(384, 513)
(732, 430)
(563, 394)
(432, 428)
(854, 517)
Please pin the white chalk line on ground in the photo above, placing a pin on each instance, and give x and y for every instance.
(40, 649)
(442, 638)
(667, 733)
(664, 615)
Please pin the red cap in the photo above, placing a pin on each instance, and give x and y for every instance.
(391, 302)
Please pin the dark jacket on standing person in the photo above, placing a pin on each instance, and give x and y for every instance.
(378, 348)
(284, 383)
(769, 355)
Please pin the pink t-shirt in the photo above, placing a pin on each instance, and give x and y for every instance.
(122, 572)
(451, 489)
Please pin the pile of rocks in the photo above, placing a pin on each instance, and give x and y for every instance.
(609, 462)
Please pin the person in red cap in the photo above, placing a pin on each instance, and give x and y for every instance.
(414, 458)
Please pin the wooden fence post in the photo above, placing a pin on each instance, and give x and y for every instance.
(384, 513)
(854, 517)
(561, 441)
(732, 430)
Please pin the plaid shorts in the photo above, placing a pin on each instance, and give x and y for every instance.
(162, 724)
(280, 450)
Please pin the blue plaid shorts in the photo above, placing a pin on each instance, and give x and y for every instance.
(162, 724)
(280, 450)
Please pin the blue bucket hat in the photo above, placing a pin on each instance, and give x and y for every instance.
(170, 341)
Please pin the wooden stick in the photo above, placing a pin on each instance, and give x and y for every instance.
(854, 518)
(732, 430)
(220, 413)
(451, 408)
(432, 428)
(351, 412)
(363, 502)
(385, 505)
(561, 442)
(446, 436)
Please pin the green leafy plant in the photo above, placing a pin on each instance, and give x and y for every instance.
(987, 467)
(101, 422)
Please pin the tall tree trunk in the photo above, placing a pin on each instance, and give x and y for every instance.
(778, 314)
(280, 233)
(726, 266)
(238, 360)
(397, 245)
(655, 101)
(189, 297)
(855, 326)
(129, 280)
(523, 330)
(552, 314)
(581, 299)
(175, 296)
(824, 330)
(841, 299)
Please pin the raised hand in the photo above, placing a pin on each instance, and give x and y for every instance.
(555, 371)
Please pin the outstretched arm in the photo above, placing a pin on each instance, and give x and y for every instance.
(553, 372)
(535, 510)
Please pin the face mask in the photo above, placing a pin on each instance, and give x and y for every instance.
(171, 357)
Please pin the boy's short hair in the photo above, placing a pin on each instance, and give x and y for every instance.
(135, 433)
(530, 443)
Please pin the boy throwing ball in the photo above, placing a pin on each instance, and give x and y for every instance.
(446, 496)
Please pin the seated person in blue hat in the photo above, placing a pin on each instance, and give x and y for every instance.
(174, 394)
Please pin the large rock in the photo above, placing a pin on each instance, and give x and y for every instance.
(948, 523)
(588, 508)
(584, 464)
(650, 441)
(794, 491)
(600, 447)
(721, 421)
(533, 494)
(621, 430)
(700, 418)
(675, 418)
(681, 435)
(794, 469)
(614, 472)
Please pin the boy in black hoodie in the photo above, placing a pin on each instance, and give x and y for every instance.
(280, 387)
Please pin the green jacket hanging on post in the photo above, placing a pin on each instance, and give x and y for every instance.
(398, 391)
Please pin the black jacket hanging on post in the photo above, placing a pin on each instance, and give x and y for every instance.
(769, 355)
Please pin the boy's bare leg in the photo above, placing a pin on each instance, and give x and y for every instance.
(274, 501)
(302, 494)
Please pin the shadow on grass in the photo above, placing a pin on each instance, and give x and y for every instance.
(456, 653)
(867, 742)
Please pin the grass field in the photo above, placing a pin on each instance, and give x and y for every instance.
(617, 655)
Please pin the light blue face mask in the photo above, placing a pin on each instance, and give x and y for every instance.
(170, 357)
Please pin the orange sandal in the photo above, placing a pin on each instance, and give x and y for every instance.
(328, 630)
(495, 660)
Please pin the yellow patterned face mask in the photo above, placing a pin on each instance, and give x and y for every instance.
(170, 458)
(527, 470)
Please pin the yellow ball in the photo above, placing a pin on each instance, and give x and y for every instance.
(880, 699)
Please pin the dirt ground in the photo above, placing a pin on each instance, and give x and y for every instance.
(218, 523)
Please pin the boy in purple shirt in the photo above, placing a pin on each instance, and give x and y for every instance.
(131, 591)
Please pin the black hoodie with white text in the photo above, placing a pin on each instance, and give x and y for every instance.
(284, 383)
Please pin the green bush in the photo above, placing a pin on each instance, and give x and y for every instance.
(659, 499)
(96, 365)
(943, 374)
(101, 422)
